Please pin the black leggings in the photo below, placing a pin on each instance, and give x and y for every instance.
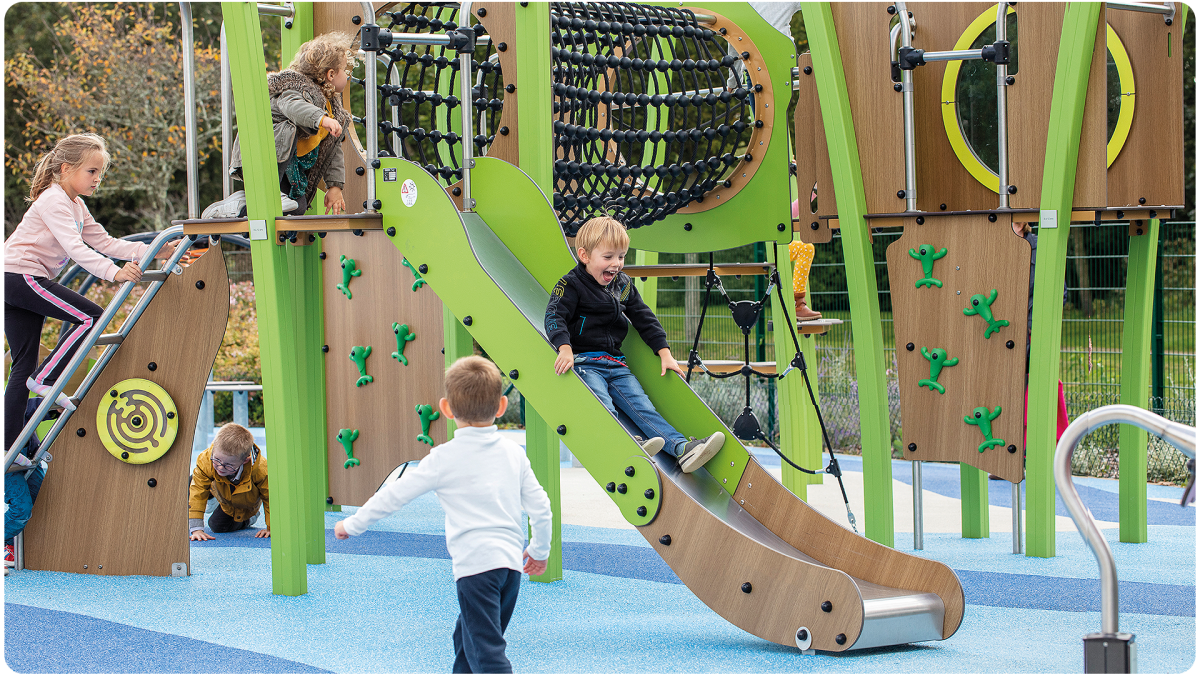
(28, 300)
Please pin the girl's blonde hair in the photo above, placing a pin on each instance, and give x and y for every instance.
(322, 54)
(72, 150)
(602, 230)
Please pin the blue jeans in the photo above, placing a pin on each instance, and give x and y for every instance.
(485, 604)
(619, 390)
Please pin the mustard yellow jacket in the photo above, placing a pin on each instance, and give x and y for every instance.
(240, 499)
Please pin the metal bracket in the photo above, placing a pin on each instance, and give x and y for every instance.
(179, 569)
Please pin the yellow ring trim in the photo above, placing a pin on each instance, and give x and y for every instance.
(954, 131)
(1128, 100)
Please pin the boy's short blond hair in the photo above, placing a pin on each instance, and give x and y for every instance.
(601, 231)
(473, 389)
(233, 440)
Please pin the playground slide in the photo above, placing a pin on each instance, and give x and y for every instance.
(748, 548)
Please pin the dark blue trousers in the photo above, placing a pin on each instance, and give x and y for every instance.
(485, 603)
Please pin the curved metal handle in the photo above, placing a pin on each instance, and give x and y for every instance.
(1179, 435)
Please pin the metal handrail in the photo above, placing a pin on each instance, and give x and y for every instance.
(465, 60)
(81, 354)
(909, 120)
(1179, 435)
(286, 10)
(1167, 9)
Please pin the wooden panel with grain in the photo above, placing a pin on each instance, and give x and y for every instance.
(714, 560)
(383, 411)
(877, 109)
(812, 532)
(98, 515)
(941, 177)
(1029, 110)
(981, 256)
(1150, 166)
(813, 173)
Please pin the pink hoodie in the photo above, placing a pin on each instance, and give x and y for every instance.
(57, 229)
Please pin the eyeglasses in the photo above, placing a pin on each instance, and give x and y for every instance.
(227, 467)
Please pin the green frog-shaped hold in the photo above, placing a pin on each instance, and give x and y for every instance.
(347, 437)
(359, 356)
(427, 415)
(349, 271)
(416, 275)
(404, 335)
(983, 419)
(982, 305)
(927, 253)
(937, 361)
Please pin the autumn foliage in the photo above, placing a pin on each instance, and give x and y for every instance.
(116, 71)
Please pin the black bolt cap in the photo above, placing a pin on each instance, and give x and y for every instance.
(629, 471)
(840, 638)
(912, 447)
(991, 217)
(513, 374)
(124, 455)
(113, 393)
(641, 510)
(827, 606)
(329, 500)
(391, 232)
(622, 488)
(900, 194)
(1012, 189)
(325, 349)
(746, 587)
(781, 227)
(665, 540)
(898, 87)
(360, 170)
(81, 432)
(611, 487)
(1012, 449)
(649, 493)
(152, 483)
(943, 207)
(467, 320)
(562, 430)
(170, 415)
(423, 268)
(199, 285)
(808, 70)
(687, 227)
(152, 366)
(1010, 344)
(1141, 200)
(920, 220)
(815, 226)
(910, 346)
(802, 635)
(356, 20)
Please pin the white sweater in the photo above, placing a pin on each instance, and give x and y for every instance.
(483, 482)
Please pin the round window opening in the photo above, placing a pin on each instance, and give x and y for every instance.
(969, 98)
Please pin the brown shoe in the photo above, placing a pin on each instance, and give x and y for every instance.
(803, 312)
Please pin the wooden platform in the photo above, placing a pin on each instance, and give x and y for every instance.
(298, 224)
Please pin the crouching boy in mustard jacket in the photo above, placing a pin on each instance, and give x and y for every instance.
(234, 471)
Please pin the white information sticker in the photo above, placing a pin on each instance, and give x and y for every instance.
(408, 192)
(389, 175)
(258, 230)
(1048, 219)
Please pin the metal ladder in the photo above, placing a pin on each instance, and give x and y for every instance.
(156, 279)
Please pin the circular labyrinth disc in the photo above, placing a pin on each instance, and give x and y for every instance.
(137, 421)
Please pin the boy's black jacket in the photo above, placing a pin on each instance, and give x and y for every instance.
(592, 318)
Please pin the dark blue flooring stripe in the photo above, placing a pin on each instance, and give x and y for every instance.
(989, 589)
(943, 479)
(49, 641)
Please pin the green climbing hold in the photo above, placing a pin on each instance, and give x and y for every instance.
(349, 271)
(937, 360)
(982, 305)
(347, 437)
(359, 356)
(416, 275)
(404, 335)
(927, 253)
(981, 418)
(428, 415)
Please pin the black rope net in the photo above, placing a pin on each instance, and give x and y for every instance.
(652, 111)
(419, 118)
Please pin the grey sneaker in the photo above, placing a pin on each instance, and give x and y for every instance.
(651, 446)
(697, 453)
(288, 203)
(228, 207)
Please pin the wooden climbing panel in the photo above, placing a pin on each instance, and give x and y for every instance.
(938, 269)
(382, 410)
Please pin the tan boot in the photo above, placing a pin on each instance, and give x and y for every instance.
(803, 312)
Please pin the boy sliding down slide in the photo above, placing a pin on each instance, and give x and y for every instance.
(587, 313)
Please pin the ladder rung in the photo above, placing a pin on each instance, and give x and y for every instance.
(157, 275)
(110, 339)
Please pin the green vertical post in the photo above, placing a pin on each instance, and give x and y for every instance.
(1158, 338)
(649, 287)
(1135, 380)
(974, 493)
(1058, 186)
(860, 271)
(536, 149)
(799, 431)
(277, 303)
(456, 343)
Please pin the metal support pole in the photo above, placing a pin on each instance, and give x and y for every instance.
(467, 108)
(1018, 535)
(189, 108)
(918, 509)
(910, 143)
(371, 116)
(1002, 106)
(226, 117)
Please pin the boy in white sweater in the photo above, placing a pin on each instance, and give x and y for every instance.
(483, 482)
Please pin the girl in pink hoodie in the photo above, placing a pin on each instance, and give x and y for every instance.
(57, 228)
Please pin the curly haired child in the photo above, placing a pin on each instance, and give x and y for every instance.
(56, 229)
(309, 121)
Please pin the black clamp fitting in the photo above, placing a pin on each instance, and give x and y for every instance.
(375, 39)
(908, 58)
(462, 40)
(997, 53)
